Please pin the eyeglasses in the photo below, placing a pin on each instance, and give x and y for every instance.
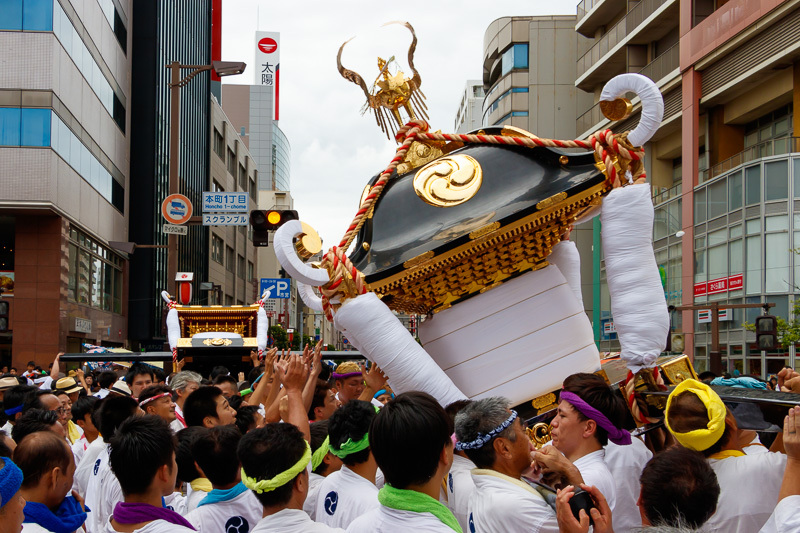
(62, 410)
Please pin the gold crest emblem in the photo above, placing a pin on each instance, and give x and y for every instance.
(449, 181)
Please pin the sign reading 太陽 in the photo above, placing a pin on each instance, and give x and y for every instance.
(268, 62)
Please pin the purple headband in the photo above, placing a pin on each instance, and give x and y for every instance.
(617, 436)
(344, 376)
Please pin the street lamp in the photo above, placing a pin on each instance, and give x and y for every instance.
(222, 68)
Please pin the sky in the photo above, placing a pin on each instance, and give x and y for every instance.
(336, 149)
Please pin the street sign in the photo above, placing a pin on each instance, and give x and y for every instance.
(176, 209)
(225, 219)
(270, 306)
(171, 229)
(704, 316)
(279, 287)
(227, 202)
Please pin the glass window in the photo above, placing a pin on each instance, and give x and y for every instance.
(10, 118)
(796, 172)
(516, 57)
(735, 191)
(776, 180)
(250, 270)
(37, 15)
(777, 262)
(108, 285)
(700, 266)
(736, 231)
(753, 277)
(96, 282)
(736, 258)
(752, 180)
(717, 262)
(796, 259)
(717, 237)
(240, 266)
(12, 14)
(229, 259)
(776, 223)
(753, 226)
(72, 284)
(84, 270)
(717, 199)
(216, 249)
(700, 206)
(117, 291)
(700, 242)
(35, 127)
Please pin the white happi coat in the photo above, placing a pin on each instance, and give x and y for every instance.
(102, 493)
(241, 513)
(85, 469)
(292, 521)
(310, 505)
(626, 464)
(156, 526)
(386, 520)
(344, 496)
(502, 504)
(460, 488)
(594, 471)
(749, 487)
(193, 497)
(785, 518)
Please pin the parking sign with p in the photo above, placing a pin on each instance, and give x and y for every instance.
(278, 287)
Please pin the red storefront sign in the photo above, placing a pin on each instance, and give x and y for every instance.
(719, 285)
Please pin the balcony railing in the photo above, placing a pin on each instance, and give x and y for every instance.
(662, 195)
(615, 35)
(584, 7)
(784, 145)
(656, 70)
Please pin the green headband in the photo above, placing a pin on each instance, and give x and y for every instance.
(349, 447)
(320, 453)
(266, 485)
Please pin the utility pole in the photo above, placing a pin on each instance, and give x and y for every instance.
(715, 357)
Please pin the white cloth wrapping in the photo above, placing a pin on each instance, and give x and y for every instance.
(652, 103)
(637, 297)
(381, 338)
(173, 323)
(262, 329)
(565, 256)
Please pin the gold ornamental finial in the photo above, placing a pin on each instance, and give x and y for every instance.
(395, 92)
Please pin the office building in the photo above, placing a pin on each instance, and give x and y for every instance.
(470, 110)
(163, 32)
(232, 268)
(65, 101)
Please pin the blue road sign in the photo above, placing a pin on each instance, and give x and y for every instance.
(278, 287)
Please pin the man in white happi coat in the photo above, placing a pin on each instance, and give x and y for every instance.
(589, 415)
(494, 439)
(183, 384)
(410, 439)
(626, 464)
(785, 518)
(458, 483)
(323, 464)
(347, 494)
(699, 420)
(230, 504)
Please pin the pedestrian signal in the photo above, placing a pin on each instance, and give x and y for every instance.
(4, 315)
(767, 332)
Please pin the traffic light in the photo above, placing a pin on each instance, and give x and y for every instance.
(3, 315)
(265, 221)
(766, 332)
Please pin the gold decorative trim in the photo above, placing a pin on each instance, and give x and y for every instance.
(365, 246)
(485, 230)
(616, 110)
(563, 160)
(547, 202)
(421, 258)
(539, 434)
(678, 370)
(185, 342)
(543, 401)
(217, 342)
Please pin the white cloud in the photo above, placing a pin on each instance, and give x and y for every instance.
(335, 150)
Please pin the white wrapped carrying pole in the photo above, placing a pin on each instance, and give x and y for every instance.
(262, 324)
(382, 338)
(652, 103)
(173, 326)
(308, 296)
(287, 256)
(638, 305)
(565, 256)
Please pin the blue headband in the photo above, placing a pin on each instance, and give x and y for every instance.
(10, 481)
(14, 410)
(382, 391)
(482, 439)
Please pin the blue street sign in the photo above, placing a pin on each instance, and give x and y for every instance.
(278, 287)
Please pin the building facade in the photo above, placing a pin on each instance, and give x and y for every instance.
(725, 165)
(166, 31)
(65, 133)
(232, 268)
(469, 116)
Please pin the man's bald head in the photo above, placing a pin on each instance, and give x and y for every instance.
(39, 453)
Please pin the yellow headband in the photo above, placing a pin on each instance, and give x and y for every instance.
(700, 439)
(266, 485)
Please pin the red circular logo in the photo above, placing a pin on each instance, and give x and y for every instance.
(267, 45)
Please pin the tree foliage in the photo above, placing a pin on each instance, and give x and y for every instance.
(788, 330)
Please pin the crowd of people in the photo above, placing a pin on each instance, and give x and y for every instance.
(296, 446)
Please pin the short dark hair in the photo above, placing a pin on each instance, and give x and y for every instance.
(246, 417)
(225, 378)
(679, 487)
(200, 404)
(39, 453)
(85, 405)
(594, 390)
(706, 376)
(142, 445)
(252, 376)
(218, 371)
(319, 432)
(268, 451)
(407, 437)
(112, 412)
(153, 390)
(19, 395)
(139, 369)
(453, 408)
(32, 363)
(320, 393)
(5, 451)
(107, 378)
(213, 452)
(36, 400)
(187, 471)
(351, 421)
(32, 421)
(57, 393)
